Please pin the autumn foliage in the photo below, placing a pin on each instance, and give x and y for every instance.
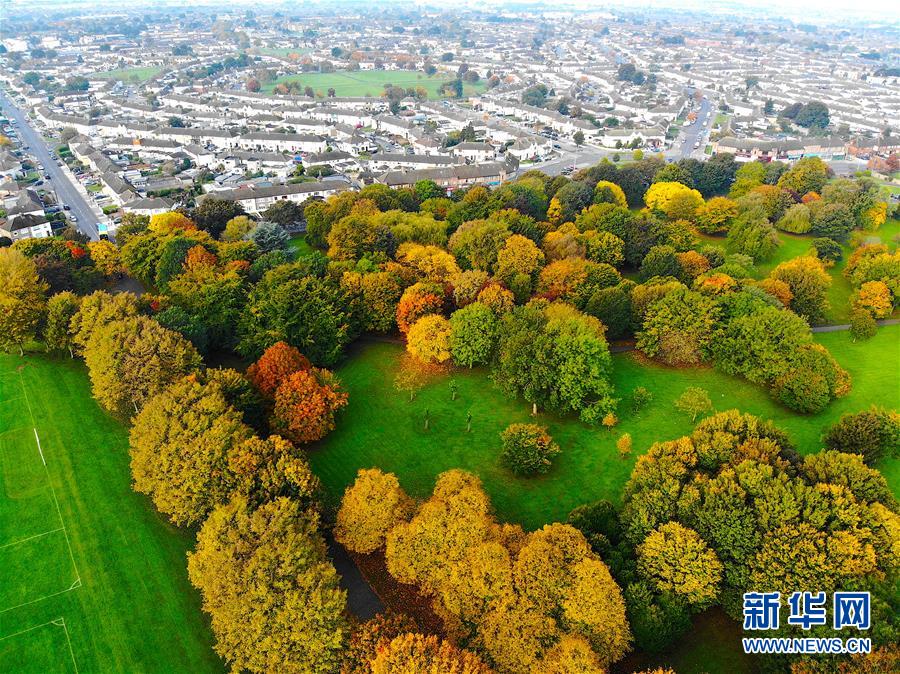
(305, 404)
(277, 362)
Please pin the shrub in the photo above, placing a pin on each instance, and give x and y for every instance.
(874, 433)
(862, 324)
(527, 449)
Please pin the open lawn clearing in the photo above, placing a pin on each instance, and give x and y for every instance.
(299, 245)
(370, 82)
(381, 428)
(132, 608)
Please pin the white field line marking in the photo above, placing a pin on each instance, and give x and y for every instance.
(62, 522)
(29, 538)
(40, 451)
(30, 629)
(59, 622)
(74, 586)
(69, 642)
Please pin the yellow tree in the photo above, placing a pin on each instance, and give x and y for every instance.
(429, 339)
(434, 263)
(608, 192)
(455, 518)
(171, 221)
(273, 596)
(415, 653)
(716, 215)
(371, 507)
(519, 257)
(179, 450)
(675, 200)
(554, 212)
(875, 297)
(675, 559)
(106, 258)
(133, 359)
(571, 655)
(21, 299)
(593, 606)
(516, 634)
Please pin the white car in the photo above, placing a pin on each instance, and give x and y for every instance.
(73, 217)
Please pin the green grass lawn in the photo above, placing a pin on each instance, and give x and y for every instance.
(299, 246)
(370, 82)
(140, 74)
(91, 577)
(381, 428)
(282, 52)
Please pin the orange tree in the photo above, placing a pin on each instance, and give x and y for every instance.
(305, 404)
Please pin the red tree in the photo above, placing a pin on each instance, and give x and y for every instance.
(277, 363)
(305, 404)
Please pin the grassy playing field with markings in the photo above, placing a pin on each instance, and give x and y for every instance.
(370, 82)
(91, 577)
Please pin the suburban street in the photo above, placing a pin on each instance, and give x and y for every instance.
(61, 182)
(683, 147)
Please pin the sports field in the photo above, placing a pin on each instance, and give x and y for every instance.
(380, 427)
(91, 578)
(130, 74)
(370, 82)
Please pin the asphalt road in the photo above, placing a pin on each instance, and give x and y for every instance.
(699, 130)
(66, 191)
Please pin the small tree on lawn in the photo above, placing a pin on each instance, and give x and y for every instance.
(640, 398)
(527, 449)
(624, 445)
(694, 401)
(410, 376)
(610, 420)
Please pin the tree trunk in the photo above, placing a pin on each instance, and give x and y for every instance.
(534, 409)
(71, 353)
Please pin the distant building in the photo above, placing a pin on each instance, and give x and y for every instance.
(257, 199)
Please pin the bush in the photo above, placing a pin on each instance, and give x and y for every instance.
(827, 250)
(527, 449)
(874, 433)
(862, 324)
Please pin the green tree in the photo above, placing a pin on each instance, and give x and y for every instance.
(473, 334)
(60, 310)
(679, 328)
(269, 236)
(527, 449)
(873, 433)
(305, 311)
(694, 401)
(213, 213)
